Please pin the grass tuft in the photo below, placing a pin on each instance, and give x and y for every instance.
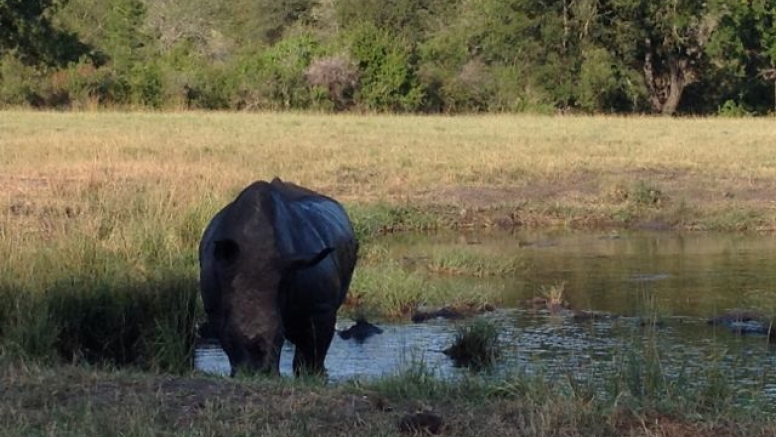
(476, 345)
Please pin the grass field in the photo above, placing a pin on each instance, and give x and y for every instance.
(101, 213)
(574, 171)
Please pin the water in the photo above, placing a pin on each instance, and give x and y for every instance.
(682, 278)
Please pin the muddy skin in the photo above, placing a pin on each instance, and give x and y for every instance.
(276, 264)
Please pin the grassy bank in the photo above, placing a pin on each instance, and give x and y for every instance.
(74, 401)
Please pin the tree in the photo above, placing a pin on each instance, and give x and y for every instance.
(26, 29)
(175, 23)
(666, 41)
(746, 46)
(254, 23)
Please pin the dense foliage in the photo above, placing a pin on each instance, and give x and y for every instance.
(594, 56)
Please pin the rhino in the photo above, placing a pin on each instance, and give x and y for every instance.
(276, 264)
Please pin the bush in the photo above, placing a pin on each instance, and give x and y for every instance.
(146, 84)
(733, 109)
(88, 85)
(337, 76)
(598, 84)
(388, 80)
(275, 78)
(18, 82)
(470, 90)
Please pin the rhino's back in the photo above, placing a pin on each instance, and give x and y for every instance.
(305, 223)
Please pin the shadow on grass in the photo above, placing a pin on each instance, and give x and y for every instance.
(149, 324)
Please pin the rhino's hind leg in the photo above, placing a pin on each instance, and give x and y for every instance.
(312, 338)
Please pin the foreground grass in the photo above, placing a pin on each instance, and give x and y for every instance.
(74, 401)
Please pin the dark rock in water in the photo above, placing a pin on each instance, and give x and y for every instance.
(444, 313)
(583, 316)
(648, 322)
(750, 327)
(746, 322)
(421, 423)
(450, 313)
(736, 316)
(360, 331)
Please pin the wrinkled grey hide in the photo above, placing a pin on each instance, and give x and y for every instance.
(276, 263)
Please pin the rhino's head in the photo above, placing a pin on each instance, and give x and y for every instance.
(250, 279)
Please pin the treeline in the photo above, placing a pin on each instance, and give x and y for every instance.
(449, 56)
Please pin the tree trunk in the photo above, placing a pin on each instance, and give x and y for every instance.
(650, 80)
(677, 82)
(666, 88)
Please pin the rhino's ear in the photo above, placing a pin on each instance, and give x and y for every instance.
(304, 260)
(226, 251)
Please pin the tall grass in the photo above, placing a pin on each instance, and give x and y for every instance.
(114, 283)
(476, 345)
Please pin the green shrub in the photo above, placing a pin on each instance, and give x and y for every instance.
(88, 84)
(145, 81)
(17, 82)
(388, 80)
(275, 78)
(732, 108)
(598, 86)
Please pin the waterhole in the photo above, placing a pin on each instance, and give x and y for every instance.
(657, 288)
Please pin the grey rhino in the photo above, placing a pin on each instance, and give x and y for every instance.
(276, 263)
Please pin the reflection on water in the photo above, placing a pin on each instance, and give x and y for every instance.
(683, 279)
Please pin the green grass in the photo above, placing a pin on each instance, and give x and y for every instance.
(476, 345)
(390, 290)
(67, 400)
(472, 262)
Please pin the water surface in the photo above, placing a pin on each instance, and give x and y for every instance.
(682, 279)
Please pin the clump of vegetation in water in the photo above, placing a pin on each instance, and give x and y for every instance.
(551, 298)
(476, 345)
(455, 261)
(390, 291)
(555, 294)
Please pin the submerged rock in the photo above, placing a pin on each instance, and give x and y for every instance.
(539, 303)
(450, 313)
(360, 331)
(746, 322)
(583, 316)
(735, 316)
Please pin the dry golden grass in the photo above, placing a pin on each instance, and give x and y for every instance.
(394, 158)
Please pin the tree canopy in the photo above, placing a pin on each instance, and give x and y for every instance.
(450, 56)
